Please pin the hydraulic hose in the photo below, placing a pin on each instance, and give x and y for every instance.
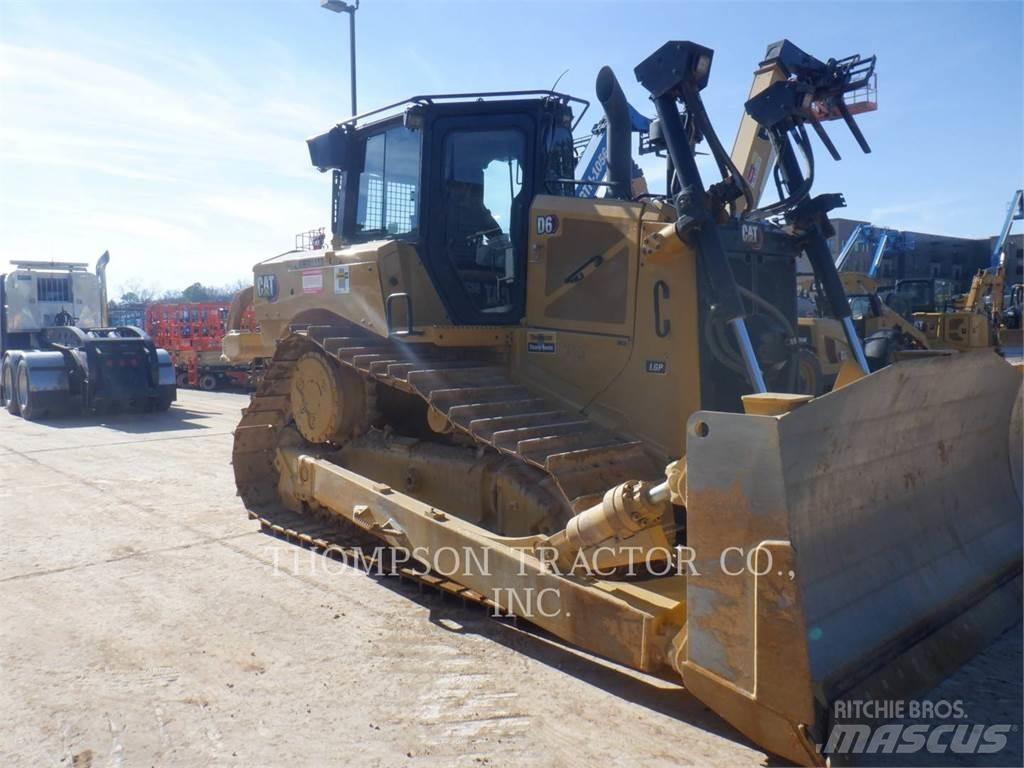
(722, 158)
(787, 201)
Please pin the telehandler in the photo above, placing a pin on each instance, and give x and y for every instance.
(588, 403)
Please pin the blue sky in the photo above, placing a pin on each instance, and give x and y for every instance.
(171, 131)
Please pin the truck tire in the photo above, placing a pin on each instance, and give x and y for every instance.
(207, 382)
(8, 378)
(23, 395)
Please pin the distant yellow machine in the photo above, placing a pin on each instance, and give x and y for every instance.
(887, 333)
(585, 410)
(948, 324)
(978, 321)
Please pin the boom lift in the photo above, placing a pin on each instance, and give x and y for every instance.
(1014, 212)
(879, 239)
(596, 146)
(568, 389)
(59, 352)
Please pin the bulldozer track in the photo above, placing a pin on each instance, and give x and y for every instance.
(474, 393)
(477, 397)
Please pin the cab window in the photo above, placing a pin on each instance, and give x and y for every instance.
(917, 294)
(943, 294)
(482, 179)
(388, 185)
(53, 289)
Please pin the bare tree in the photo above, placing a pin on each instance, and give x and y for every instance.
(134, 292)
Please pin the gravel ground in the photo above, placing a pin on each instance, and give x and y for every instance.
(143, 622)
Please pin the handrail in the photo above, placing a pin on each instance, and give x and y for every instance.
(435, 97)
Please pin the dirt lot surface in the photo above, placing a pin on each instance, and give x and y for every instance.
(143, 622)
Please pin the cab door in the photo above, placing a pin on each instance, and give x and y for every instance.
(481, 171)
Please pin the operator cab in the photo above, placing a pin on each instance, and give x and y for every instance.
(926, 295)
(455, 178)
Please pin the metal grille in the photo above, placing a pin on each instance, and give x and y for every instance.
(374, 217)
(337, 197)
(53, 289)
(400, 207)
(394, 213)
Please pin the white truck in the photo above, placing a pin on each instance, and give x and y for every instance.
(59, 354)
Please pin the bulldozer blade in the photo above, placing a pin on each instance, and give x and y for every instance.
(862, 546)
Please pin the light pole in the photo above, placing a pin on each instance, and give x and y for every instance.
(339, 6)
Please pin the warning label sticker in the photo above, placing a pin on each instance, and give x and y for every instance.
(541, 342)
(313, 281)
(341, 280)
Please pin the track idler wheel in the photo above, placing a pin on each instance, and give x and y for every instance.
(328, 402)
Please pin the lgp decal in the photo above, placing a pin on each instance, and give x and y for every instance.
(541, 342)
(313, 281)
(266, 286)
(657, 366)
(341, 280)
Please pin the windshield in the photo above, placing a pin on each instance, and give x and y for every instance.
(927, 295)
(388, 185)
(917, 294)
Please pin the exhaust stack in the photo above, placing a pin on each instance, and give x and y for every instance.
(616, 112)
(101, 273)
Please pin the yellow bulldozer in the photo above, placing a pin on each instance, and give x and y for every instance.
(583, 410)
